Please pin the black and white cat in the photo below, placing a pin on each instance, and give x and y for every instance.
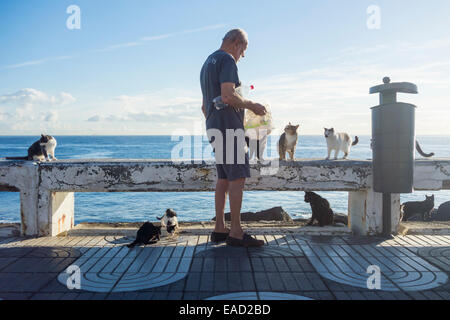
(169, 220)
(40, 150)
(339, 142)
(417, 210)
(147, 234)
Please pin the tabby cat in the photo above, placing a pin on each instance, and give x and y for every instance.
(288, 142)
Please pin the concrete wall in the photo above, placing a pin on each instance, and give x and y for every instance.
(47, 202)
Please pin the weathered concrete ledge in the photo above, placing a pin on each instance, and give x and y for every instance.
(424, 228)
(205, 228)
(165, 175)
(47, 189)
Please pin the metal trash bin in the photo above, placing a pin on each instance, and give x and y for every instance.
(393, 139)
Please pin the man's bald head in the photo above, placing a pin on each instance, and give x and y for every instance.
(235, 43)
(234, 35)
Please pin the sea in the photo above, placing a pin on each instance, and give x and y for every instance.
(190, 206)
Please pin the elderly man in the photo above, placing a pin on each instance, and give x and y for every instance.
(219, 78)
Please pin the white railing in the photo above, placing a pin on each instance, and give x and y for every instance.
(47, 189)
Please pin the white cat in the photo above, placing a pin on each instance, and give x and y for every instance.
(339, 142)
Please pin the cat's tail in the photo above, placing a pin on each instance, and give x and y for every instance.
(133, 244)
(159, 218)
(16, 158)
(356, 141)
(423, 154)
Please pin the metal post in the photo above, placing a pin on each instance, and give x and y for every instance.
(387, 221)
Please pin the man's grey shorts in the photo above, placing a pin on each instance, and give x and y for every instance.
(233, 172)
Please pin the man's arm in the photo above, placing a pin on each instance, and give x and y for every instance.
(232, 98)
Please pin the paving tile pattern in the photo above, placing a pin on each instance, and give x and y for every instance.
(190, 267)
(348, 263)
(119, 269)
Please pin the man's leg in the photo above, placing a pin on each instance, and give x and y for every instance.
(221, 197)
(236, 189)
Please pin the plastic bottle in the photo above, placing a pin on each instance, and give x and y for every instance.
(242, 90)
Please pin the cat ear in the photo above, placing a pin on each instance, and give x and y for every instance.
(297, 126)
(42, 135)
(290, 124)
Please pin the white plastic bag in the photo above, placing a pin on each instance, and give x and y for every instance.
(257, 127)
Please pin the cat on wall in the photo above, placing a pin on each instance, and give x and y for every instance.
(40, 150)
(288, 142)
(338, 142)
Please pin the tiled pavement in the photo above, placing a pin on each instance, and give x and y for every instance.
(190, 267)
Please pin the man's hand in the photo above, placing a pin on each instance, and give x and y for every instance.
(231, 98)
(258, 109)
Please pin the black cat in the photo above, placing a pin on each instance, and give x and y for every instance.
(417, 210)
(147, 234)
(321, 210)
(442, 213)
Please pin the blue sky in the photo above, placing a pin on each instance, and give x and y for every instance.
(133, 67)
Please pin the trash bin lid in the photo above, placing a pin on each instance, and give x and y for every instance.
(387, 87)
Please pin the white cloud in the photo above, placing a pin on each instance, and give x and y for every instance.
(35, 62)
(169, 107)
(159, 37)
(120, 45)
(95, 118)
(25, 64)
(30, 97)
(30, 104)
(51, 116)
(129, 44)
(143, 40)
(4, 115)
(337, 94)
(432, 44)
(205, 28)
